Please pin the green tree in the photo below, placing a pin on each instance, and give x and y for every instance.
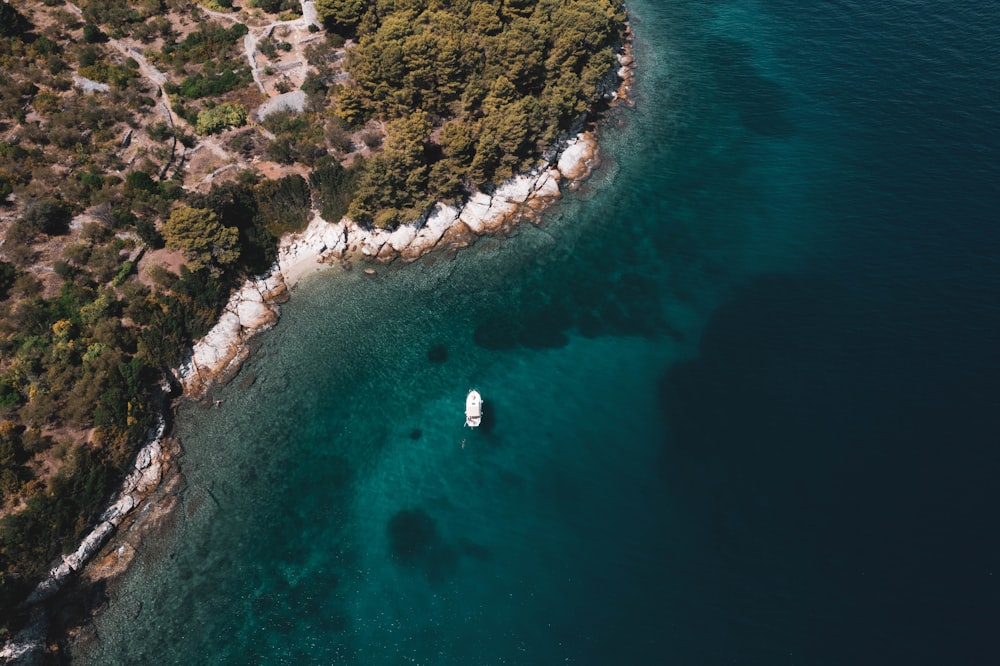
(12, 23)
(352, 105)
(332, 187)
(203, 239)
(283, 204)
(48, 216)
(344, 14)
(221, 117)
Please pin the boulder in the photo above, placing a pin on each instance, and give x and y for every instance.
(216, 348)
(575, 161)
(430, 234)
(517, 189)
(546, 191)
(401, 238)
(372, 241)
(150, 477)
(90, 544)
(255, 315)
(334, 238)
(476, 211)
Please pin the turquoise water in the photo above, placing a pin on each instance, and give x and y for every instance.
(719, 382)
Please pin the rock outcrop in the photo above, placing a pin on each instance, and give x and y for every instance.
(251, 309)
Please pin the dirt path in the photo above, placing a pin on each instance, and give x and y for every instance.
(250, 47)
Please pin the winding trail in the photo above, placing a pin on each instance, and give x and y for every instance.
(159, 79)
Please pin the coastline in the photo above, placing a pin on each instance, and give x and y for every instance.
(255, 307)
(322, 245)
(148, 494)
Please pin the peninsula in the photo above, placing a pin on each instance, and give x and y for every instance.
(168, 169)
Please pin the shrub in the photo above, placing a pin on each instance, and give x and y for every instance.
(92, 34)
(122, 274)
(48, 216)
(139, 181)
(283, 204)
(333, 188)
(8, 273)
(221, 117)
(206, 243)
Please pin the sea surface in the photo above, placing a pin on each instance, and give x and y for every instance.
(742, 391)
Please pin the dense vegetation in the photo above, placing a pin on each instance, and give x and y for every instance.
(98, 196)
(496, 81)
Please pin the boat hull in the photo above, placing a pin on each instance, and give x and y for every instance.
(473, 409)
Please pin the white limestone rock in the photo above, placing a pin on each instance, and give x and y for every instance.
(401, 238)
(574, 163)
(255, 315)
(147, 454)
(442, 218)
(548, 185)
(430, 234)
(215, 348)
(500, 212)
(116, 513)
(334, 238)
(372, 241)
(150, 477)
(90, 545)
(517, 189)
(476, 211)
(309, 14)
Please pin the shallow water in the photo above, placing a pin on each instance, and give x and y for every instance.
(741, 395)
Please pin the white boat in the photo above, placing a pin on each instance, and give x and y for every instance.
(473, 409)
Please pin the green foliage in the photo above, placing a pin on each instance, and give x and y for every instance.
(236, 206)
(297, 138)
(205, 242)
(217, 5)
(139, 181)
(353, 106)
(277, 6)
(48, 216)
(341, 14)
(93, 35)
(148, 233)
(59, 515)
(212, 84)
(210, 42)
(333, 188)
(115, 75)
(502, 80)
(122, 274)
(12, 23)
(395, 180)
(283, 204)
(221, 117)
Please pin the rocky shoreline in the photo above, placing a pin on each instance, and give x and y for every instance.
(152, 483)
(255, 306)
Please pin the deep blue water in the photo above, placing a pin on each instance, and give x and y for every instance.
(743, 392)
